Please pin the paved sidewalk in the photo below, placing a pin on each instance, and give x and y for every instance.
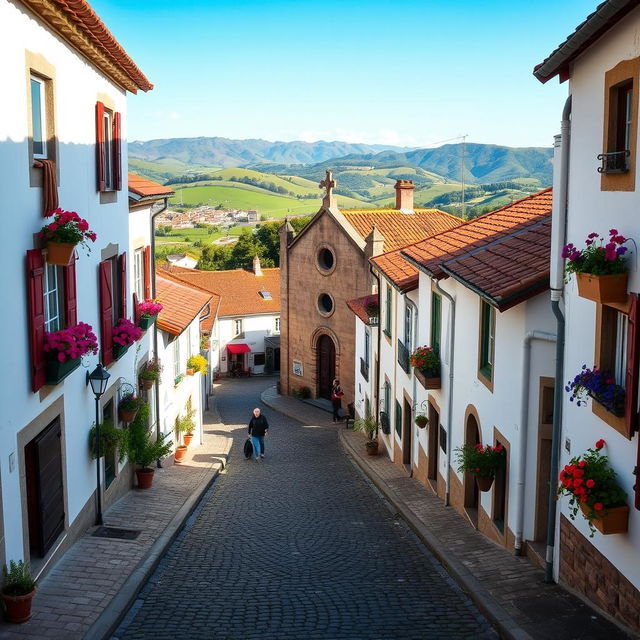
(507, 589)
(94, 583)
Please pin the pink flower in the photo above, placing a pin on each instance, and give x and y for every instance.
(613, 232)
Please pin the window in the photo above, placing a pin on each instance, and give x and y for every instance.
(326, 259)
(277, 324)
(258, 359)
(38, 117)
(408, 326)
(436, 321)
(487, 340)
(113, 301)
(108, 157)
(614, 330)
(325, 304)
(138, 274)
(237, 326)
(53, 298)
(367, 346)
(387, 312)
(398, 418)
(177, 364)
(387, 397)
(499, 502)
(108, 149)
(110, 459)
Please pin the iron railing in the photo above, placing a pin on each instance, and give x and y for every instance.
(614, 162)
(403, 356)
(364, 369)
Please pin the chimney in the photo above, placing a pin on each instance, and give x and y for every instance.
(257, 270)
(404, 195)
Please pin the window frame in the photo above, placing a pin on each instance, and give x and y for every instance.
(58, 293)
(486, 344)
(435, 331)
(177, 369)
(388, 306)
(238, 323)
(276, 324)
(44, 122)
(109, 164)
(409, 320)
(367, 346)
(139, 273)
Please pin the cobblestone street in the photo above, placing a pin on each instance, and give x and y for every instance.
(296, 546)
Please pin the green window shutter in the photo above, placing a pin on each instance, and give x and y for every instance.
(398, 418)
(387, 321)
(486, 340)
(436, 321)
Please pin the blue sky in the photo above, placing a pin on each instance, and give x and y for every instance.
(405, 72)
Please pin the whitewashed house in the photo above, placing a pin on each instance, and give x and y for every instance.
(63, 137)
(595, 190)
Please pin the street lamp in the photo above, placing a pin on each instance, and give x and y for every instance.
(98, 379)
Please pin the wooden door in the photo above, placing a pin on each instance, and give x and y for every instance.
(326, 366)
(407, 436)
(45, 489)
(433, 445)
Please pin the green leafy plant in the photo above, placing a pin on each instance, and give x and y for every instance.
(204, 343)
(479, 460)
(303, 393)
(130, 402)
(373, 309)
(421, 420)
(141, 450)
(112, 439)
(597, 258)
(199, 363)
(185, 423)
(590, 481)
(368, 426)
(152, 371)
(17, 580)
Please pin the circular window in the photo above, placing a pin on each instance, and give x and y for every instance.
(325, 259)
(325, 304)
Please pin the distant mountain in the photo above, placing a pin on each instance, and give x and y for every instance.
(225, 152)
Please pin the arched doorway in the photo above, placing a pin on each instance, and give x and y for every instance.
(471, 493)
(326, 365)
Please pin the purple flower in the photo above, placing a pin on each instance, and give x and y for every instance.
(621, 251)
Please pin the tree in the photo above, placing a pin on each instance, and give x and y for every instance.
(267, 236)
(214, 258)
(245, 250)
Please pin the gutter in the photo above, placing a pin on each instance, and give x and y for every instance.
(558, 237)
(524, 427)
(452, 339)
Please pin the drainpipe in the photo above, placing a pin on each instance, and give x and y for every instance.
(524, 424)
(377, 380)
(558, 238)
(452, 339)
(152, 275)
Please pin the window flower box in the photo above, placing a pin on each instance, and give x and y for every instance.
(615, 521)
(426, 364)
(428, 380)
(119, 350)
(603, 289)
(145, 323)
(56, 371)
(63, 350)
(598, 385)
(148, 311)
(125, 333)
(62, 236)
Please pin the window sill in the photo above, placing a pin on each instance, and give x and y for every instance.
(615, 422)
(486, 380)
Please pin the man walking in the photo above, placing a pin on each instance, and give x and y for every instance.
(258, 428)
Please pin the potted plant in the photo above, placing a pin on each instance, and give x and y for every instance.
(112, 440)
(63, 350)
(369, 427)
(124, 334)
(195, 364)
(148, 311)
(129, 406)
(601, 269)
(482, 462)
(150, 374)
(426, 364)
(62, 236)
(18, 589)
(373, 311)
(591, 485)
(598, 385)
(205, 345)
(185, 425)
(142, 450)
(421, 420)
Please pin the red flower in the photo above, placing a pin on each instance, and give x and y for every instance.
(577, 482)
(584, 497)
(600, 444)
(591, 483)
(582, 464)
(598, 506)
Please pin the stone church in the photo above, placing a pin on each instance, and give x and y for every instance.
(326, 265)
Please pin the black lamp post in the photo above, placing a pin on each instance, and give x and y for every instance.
(98, 379)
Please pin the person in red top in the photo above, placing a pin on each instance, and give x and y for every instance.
(336, 395)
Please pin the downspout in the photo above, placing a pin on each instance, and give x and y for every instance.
(524, 425)
(452, 339)
(377, 381)
(558, 237)
(152, 275)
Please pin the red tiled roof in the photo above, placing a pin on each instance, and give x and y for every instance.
(146, 188)
(79, 25)
(239, 290)
(181, 304)
(359, 306)
(397, 269)
(400, 229)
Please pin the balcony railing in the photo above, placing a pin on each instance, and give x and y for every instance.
(373, 321)
(403, 356)
(614, 162)
(364, 369)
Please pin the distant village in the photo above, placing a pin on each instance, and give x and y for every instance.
(207, 215)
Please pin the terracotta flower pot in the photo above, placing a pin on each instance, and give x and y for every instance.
(18, 607)
(372, 447)
(145, 478)
(128, 416)
(484, 482)
(60, 253)
(146, 383)
(616, 520)
(188, 437)
(602, 289)
(180, 453)
(190, 372)
(421, 421)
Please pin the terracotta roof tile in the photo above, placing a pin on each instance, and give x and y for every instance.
(239, 290)
(145, 188)
(397, 269)
(400, 229)
(359, 306)
(181, 304)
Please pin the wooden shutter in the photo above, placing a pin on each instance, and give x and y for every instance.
(106, 312)
(147, 272)
(35, 284)
(116, 149)
(70, 299)
(631, 384)
(101, 183)
(122, 263)
(136, 313)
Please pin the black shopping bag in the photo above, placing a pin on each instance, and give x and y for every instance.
(248, 448)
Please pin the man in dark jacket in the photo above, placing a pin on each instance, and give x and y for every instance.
(258, 428)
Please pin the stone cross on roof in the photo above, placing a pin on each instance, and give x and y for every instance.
(328, 200)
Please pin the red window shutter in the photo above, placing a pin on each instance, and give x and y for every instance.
(101, 183)
(70, 298)
(106, 312)
(147, 272)
(631, 384)
(136, 312)
(117, 153)
(122, 262)
(35, 283)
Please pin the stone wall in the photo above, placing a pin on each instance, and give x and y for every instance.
(584, 569)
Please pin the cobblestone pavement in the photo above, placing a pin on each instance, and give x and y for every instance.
(297, 547)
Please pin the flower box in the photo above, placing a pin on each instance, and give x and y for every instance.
(427, 381)
(603, 289)
(146, 322)
(615, 521)
(60, 253)
(56, 371)
(63, 234)
(119, 350)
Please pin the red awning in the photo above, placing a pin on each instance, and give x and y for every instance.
(238, 348)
